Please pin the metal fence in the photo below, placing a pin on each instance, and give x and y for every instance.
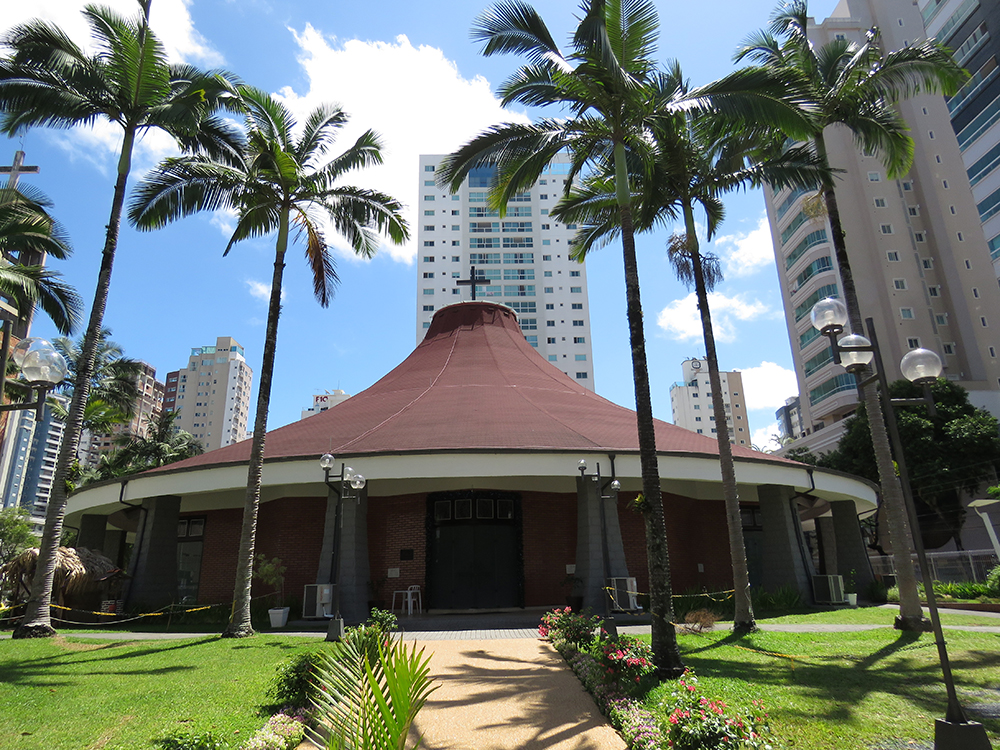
(949, 567)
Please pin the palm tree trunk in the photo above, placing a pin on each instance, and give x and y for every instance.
(666, 654)
(744, 621)
(910, 614)
(240, 625)
(37, 622)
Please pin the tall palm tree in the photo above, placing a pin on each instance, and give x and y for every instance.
(603, 81)
(279, 181)
(697, 156)
(604, 84)
(49, 80)
(856, 86)
(28, 233)
(159, 443)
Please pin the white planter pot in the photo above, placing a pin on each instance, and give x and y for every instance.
(852, 600)
(279, 616)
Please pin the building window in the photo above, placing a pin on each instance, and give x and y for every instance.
(913, 210)
(886, 228)
(550, 306)
(550, 323)
(428, 259)
(553, 358)
(428, 167)
(429, 275)
(579, 323)
(579, 340)
(941, 319)
(993, 352)
(697, 419)
(944, 184)
(428, 308)
(934, 291)
(580, 357)
(575, 289)
(874, 177)
(983, 321)
(581, 376)
(574, 273)
(913, 343)
(960, 237)
(975, 292)
(893, 256)
(899, 284)
(927, 263)
(880, 203)
(919, 236)
(428, 198)
(546, 257)
(906, 313)
(577, 305)
(550, 340)
(948, 348)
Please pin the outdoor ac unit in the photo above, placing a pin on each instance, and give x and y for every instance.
(316, 599)
(828, 589)
(623, 593)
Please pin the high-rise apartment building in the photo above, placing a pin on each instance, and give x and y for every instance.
(691, 402)
(971, 28)
(148, 405)
(326, 400)
(212, 394)
(920, 262)
(522, 261)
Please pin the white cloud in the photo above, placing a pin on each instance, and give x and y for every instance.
(745, 253)
(765, 438)
(682, 321)
(768, 385)
(421, 105)
(260, 290)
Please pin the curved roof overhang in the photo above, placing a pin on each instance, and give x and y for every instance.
(691, 475)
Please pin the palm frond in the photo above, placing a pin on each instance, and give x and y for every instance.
(319, 132)
(516, 27)
(31, 286)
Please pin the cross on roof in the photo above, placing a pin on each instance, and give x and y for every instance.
(473, 281)
(17, 169)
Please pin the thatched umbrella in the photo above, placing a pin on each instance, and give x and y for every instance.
(77, 569)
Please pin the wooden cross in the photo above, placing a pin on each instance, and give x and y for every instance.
(473, 281)
(17, 169)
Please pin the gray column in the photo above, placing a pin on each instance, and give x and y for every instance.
(114, 546)
(852, 555)
(154, 582)
(826, 536)
(354, 574)
(589, 551)
(91, 534)
(784, 547)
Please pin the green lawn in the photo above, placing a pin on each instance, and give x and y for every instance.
(78, 694)
(871, 616)
(872, 689)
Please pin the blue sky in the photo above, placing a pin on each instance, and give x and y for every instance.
(410, 71)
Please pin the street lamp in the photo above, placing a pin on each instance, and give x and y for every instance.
(42, 367)
(347, 486)
(922, 367)
(614, 485)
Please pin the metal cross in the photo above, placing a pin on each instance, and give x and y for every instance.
(473, 281)
(17, 169)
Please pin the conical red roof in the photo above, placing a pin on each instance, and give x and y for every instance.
(473, 383)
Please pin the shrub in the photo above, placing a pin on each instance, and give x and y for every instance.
(693, 722)
(192, 741)
(993, 582)
(783, 599)
(961, 589)
(367, 639)
(566, 625)
(282, 732)
(701, 619)
(293, 685)
(628, 662)
(382, 619)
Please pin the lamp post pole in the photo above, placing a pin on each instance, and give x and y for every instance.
(920, 366)
(342, 485)
(609, 625)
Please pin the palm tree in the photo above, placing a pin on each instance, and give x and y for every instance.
(114, 384)
(278, 181)
(856, 86)
(697, 156)
(160, 443)
(27, 234)
(49, 80)
(604, 83)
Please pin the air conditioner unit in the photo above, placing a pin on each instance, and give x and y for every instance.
(623, 591)
(316, 600)
(828, 589)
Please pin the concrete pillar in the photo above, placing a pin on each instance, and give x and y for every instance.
(826, 537)
(784, 547)
(91, 534)
(154, 563)
(852, 555)
(589, 550)
(354, 573)
(114, 546)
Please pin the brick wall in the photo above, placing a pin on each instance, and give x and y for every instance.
(397, 523)
(549, 532)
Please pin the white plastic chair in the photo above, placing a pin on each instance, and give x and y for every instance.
(407, 597)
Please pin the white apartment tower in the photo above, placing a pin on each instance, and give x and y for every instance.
(921, 265)
(691, 402)
(213, 394)
(522, 260)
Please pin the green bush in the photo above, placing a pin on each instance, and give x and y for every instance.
(192, 741)
(993, 582)
(876, 593)
(566, 625)
(293, 685)
(382, 619)
(784, 599)
(961, 589)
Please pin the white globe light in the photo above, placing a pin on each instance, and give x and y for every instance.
(326, 461)
(616, 485)
(582, 466)
(348, 473)
(829, 313)
(358, 481)
(921, 365)
(23, 347)
(852, 360)
(43, 364)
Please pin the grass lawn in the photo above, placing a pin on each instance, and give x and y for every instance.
(871, 616)
(878, 689)
(77, 694)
